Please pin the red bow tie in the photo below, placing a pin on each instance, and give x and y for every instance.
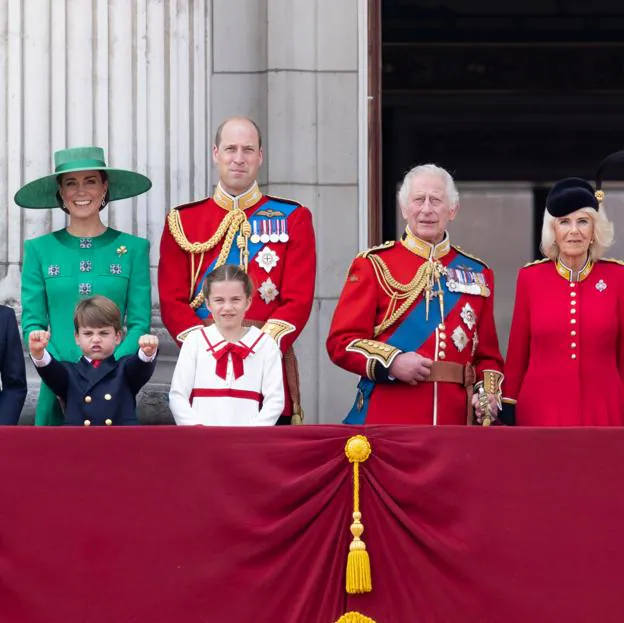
(96, 363)
(238, 353)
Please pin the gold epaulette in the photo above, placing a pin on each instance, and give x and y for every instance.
(380, 247)
(472, 257)
(536, 262)
(613, 260)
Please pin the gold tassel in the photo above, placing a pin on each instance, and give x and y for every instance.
(354, 617)
(358, 578)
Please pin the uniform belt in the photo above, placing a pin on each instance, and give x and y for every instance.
(449, 372)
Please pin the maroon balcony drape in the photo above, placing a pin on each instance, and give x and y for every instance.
(166, 525)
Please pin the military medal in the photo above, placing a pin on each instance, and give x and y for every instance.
(464, 280)
(283, 237)
(264, 237)
(255, 238)
(274, 237)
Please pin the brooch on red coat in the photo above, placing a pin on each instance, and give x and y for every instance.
(601, 286)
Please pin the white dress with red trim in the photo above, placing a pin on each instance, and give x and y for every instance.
(221, 383)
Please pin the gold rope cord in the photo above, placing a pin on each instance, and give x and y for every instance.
(177, 231)
(233, 223)
(407, 292)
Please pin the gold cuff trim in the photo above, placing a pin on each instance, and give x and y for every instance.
(509, 401)
(184, 334)
(374, 350)
(277, 329)
(492, 383)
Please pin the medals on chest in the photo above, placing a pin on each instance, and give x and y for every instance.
(270, 229)
(462, 279)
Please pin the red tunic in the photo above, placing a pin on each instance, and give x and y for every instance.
(565, 361)
(463, 339)
(293, 275)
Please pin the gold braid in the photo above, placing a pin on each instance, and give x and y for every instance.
(233, 222)
(408, 292)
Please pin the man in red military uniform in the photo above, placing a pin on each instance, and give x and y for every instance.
(271, 238)
(415, 319)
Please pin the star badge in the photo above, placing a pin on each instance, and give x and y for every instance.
(267, 259)
(601, 286)
(268, 291)
(460, 339)
(468, 315)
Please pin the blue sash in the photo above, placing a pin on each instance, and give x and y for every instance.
(411, 333)
(253, 247)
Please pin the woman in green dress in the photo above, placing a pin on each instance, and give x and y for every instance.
(84, 259)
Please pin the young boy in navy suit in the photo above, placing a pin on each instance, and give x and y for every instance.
(98, 390)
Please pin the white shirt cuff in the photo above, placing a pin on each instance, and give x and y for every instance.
(44, 361)
(143, 357)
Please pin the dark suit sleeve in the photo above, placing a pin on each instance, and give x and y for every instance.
(12, 370)
(138, 372)
(56, 376)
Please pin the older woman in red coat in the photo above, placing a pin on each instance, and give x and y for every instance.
(565, 361)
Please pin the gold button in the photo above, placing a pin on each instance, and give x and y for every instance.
(107, 396)
(442, 355)
(573, 311)
(87, 422)
(87, 399)
(573, 321)
(108, 422)
(442, 336)
(573, 345)
(572, 333)
(441, 326)
(572, 294)
(572, 285)
(573, 355)
(572, 302)
(442, 345)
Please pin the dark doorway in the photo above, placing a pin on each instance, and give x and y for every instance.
(529, 90)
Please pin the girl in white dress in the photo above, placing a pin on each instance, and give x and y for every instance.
(228, 374)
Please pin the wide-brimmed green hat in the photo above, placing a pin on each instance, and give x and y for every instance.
(41, 193)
